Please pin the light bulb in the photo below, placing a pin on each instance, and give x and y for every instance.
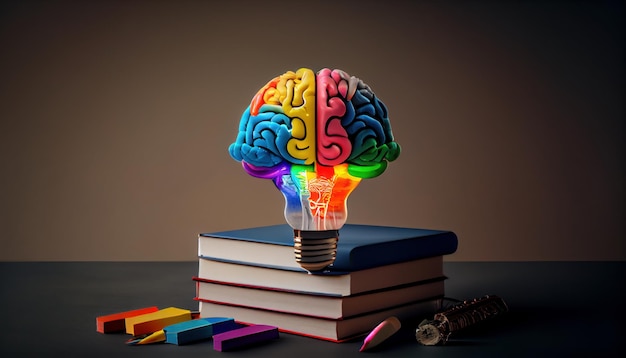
(315, 206)
(315, 137)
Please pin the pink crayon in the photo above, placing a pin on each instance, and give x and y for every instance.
(380, 333)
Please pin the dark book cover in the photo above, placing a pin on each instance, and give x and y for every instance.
(360, 246)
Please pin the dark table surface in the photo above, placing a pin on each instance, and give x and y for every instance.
(557, 309)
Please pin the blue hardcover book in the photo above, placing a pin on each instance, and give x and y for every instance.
(359, 246)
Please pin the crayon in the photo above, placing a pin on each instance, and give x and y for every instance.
(380, 333)
(152, 322)
(244, 337)
(198, 329)
(116, 322)
(155, 337)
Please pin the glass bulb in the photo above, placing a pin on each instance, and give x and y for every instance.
(316, 207)
(316, 196)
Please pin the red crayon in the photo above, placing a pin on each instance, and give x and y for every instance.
(117, 321)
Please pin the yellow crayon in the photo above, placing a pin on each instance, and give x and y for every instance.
(158, 336)
(152, 322)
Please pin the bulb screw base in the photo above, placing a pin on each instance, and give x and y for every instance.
(315, 250)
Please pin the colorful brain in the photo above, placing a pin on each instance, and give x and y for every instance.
(324, 119)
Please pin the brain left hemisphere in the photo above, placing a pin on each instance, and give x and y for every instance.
(262, 138)
(298, 103)
(292, 95)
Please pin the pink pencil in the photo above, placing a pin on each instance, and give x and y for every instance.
(380, 333)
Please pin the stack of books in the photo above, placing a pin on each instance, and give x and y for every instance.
(252, 276)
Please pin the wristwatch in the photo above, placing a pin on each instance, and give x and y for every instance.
(430, 333)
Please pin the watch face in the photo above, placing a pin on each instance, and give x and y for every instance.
(428, 335)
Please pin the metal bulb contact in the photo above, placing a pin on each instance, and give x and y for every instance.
(315, 250)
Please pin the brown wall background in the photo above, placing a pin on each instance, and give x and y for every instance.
(116, 118)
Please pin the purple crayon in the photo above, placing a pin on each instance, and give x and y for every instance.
(243, 337)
